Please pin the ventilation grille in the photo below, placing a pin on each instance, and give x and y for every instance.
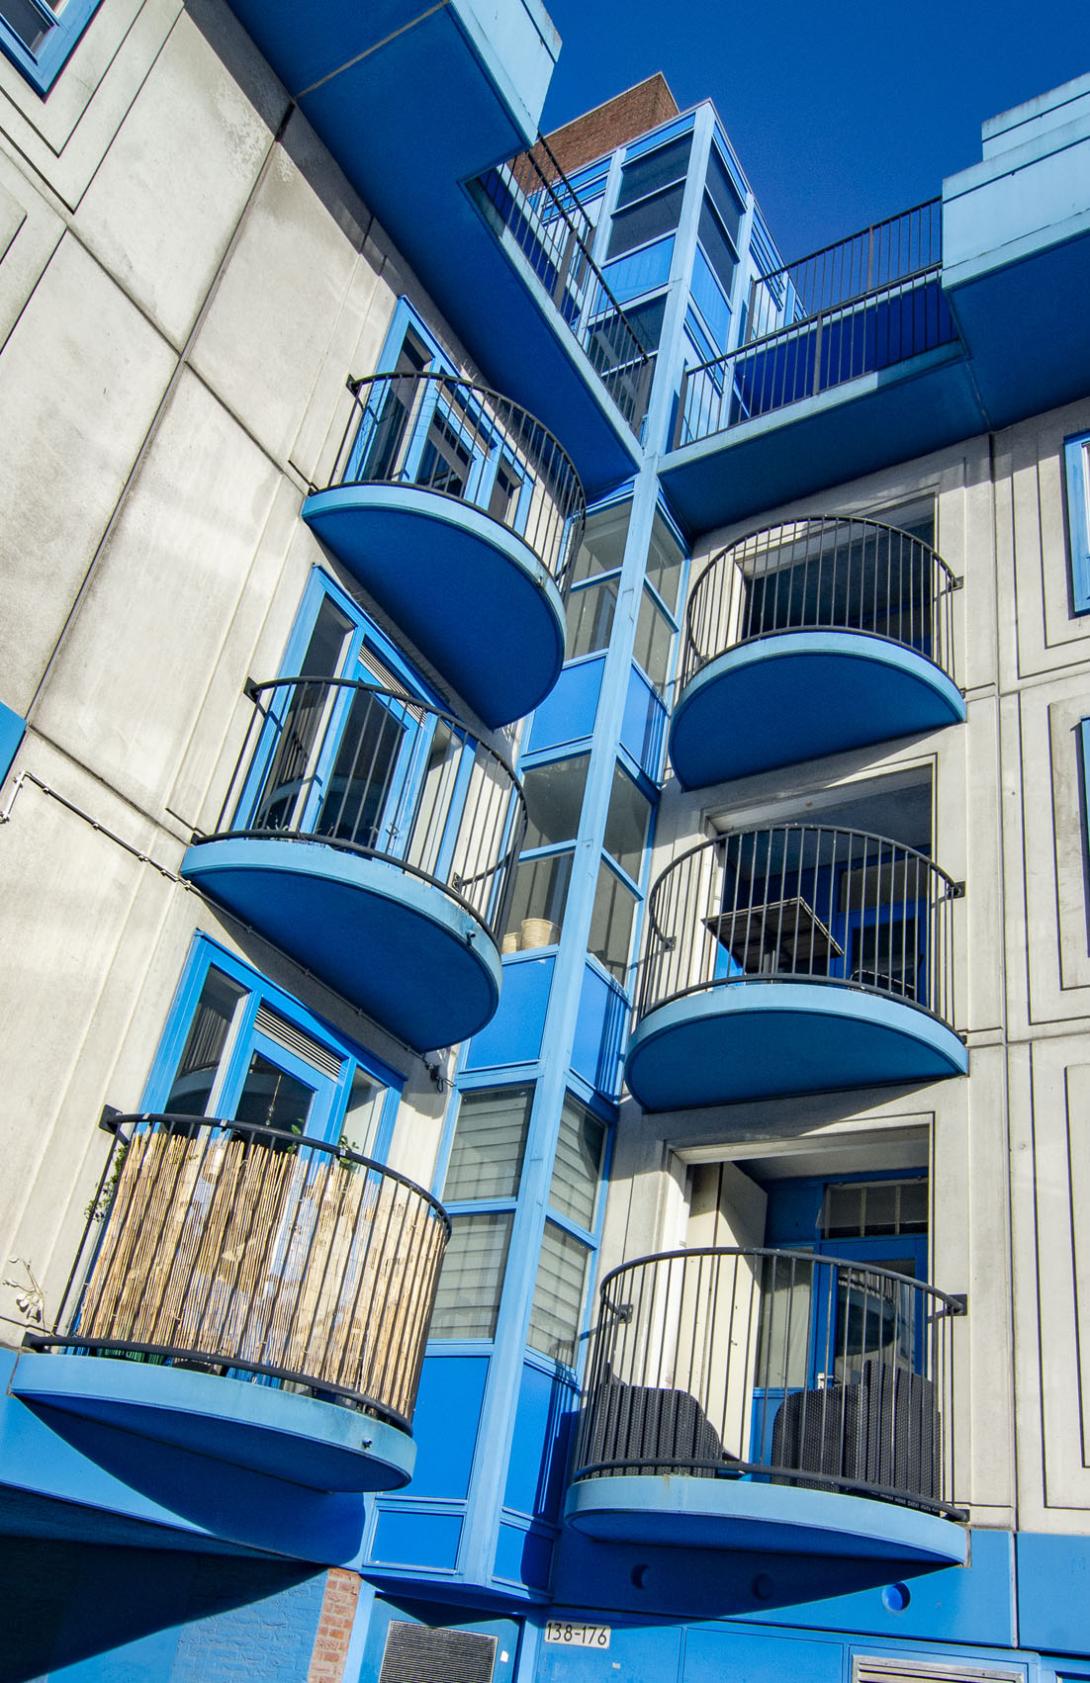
(425, 1654)
(294, 1040)
(898, 1669)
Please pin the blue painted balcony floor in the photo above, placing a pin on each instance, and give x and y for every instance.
(801, 695)
(470, 594)
(759, 1039)
(396, 946)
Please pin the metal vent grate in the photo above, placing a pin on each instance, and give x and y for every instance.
(901, 1669)
(294, 1040)
(425, 1654)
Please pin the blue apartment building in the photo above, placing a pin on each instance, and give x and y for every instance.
(545, 877)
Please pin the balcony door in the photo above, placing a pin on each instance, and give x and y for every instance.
(242, 1063)
(349, 756)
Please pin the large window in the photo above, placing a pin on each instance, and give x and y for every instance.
(1077, 464)
(39, 35)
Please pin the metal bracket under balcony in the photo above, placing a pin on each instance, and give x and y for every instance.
(251, 1296)
(810, 638)
(769, 1400)
(457, 511)
(794, 959)
(371, 838)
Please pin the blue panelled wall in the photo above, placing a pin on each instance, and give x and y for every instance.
(181, 1565)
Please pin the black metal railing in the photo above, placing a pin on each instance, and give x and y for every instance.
(822, 574)
(445, 434)
(532, 197)
(802, 902)
(862, 304)
(374, 771)
(240, 1248)
(774, 1366)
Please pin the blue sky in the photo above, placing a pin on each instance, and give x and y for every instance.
(841, 111)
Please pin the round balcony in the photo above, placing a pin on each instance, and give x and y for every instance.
(235, 1285)
(792, 959)
(458, 511)
(372, 838)
(769, 1400)
(808, 639)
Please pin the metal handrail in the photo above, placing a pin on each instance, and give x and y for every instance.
(822, 573)
(865, 302)
(772, 1366)
(463, 440)
(899, 247)
(802, 902)
(243, 1247)
(378, 773)
(561, 257)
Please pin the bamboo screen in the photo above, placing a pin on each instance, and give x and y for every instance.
(289, 1259)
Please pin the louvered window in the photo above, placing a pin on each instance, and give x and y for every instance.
(428, 1654)
(574, 1191)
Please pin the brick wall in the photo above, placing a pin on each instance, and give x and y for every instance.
(608, 126)
(342, 1592)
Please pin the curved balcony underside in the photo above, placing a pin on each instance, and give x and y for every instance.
(468, 592)
(672, 1511)
(757, 1039)
(801, 695)
(299, 1439)
(394, 944)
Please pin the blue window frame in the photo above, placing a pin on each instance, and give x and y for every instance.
(237, 1047)
(38, 36)
(1077, 464)
(435, 434)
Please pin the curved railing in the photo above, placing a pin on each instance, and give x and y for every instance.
(802, 902)
(467, 442)
(774, 1366)
(239, 1247)
(375, 772)
(822, 574)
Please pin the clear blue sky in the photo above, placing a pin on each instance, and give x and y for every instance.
(841, 111)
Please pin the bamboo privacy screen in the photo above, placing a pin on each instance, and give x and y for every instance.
(242, 1246)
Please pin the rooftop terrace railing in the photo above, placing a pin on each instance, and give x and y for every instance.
(464, 441)
(802, 902)
(774, 1366)
(249, 1250)
(826, 573)
(375, 772)
(532, 197)
(862, 304)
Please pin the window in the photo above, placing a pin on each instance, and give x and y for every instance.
(468, 1297)
(538, 899)
(238, 1049)
(558, 1294)
(578, 1166)
(611, 923)
(39, 35)
(872, 1209)
(560, 1290)
(590, 618)
(626, 823)
(489, 1141)
(1077, 462)
(554, 801)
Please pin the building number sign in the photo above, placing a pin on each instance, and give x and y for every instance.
(577, 1636)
